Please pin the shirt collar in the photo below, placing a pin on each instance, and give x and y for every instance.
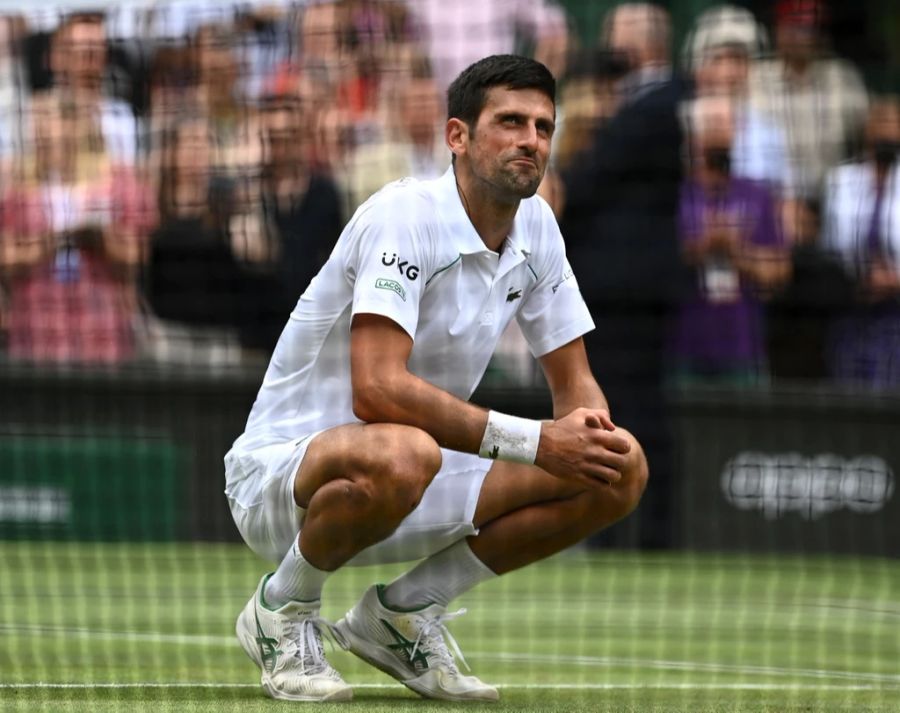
(455, 219)
(465, 238)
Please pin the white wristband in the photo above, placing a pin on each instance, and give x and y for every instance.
(510, 438)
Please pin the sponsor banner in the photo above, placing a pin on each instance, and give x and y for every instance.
(90, 487)
(776, 484)
(774, 476)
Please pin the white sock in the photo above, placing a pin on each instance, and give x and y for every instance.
(294, 580)
(438, 579)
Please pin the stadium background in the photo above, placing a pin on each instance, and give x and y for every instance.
(136, 315)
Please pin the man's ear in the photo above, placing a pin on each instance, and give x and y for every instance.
(457, 136)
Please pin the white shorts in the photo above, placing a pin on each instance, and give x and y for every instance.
(260, 494)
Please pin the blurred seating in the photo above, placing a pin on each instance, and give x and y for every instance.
(256, 127)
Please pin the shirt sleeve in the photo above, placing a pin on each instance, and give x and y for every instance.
(388, 263)
(553, 312)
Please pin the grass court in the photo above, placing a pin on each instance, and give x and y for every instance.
(131, 627)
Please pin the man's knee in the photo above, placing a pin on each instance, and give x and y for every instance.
(398, 464)
(634, 481)
(611, 504)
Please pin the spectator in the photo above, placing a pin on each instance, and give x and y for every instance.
(457, 34)
(801, 315)
(725, 42)
(233, 123)
(621, 203)
(193, 282)
(818, 99)
(301, 204)
(74, 224)
(13, 93)
(730, 238)
(413, 144)
(170, 20)
(173, 94)
(588, 100)
(265, 36)
(862, 223)
(78, 61)
(234, 129)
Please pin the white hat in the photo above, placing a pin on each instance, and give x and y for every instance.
(724, 25)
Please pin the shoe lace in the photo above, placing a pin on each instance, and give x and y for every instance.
(307, 635)
(434, 634)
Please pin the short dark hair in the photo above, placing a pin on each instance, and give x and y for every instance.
(467, 94)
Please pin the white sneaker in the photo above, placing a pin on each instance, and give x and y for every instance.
(411, 647)
(286, 644)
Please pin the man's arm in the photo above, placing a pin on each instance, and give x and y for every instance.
(580, 446)
(384, 391)
(572, 385)
(576, 394)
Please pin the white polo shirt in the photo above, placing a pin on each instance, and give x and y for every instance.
(410, 253)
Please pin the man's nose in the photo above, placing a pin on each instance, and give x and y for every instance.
(528, 139)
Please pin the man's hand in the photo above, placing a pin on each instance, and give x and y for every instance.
(583, 446)
(882, 282)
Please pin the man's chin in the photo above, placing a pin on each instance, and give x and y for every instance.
(527, 190)
(525, 186)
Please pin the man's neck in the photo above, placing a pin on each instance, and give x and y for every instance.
(491, 218)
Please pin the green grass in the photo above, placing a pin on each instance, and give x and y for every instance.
(150, 627)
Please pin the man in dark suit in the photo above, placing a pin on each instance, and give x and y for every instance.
(621, 203)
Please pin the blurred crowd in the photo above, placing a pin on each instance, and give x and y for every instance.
(174, 172)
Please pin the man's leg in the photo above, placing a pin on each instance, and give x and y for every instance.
(524, 514)
(357, 483)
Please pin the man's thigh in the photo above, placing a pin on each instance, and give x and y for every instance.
(289, 474)
(510, 486)
(261, 496)
(445, 514)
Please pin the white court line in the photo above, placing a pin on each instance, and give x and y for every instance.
(552, 659)
(687, 666)
(142, 637)
(507, 686)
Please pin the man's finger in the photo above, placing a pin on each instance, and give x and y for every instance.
(604, 473)
(606, 421)
(600, 419)
(615, 443)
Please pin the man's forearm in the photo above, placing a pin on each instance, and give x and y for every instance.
(586, 393)
(406, 399)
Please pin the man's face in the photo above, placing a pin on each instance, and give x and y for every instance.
(883, 124)
(284, 140)
(81, 53)
(724, 70)
(509, 148)
(712, 135)
(421, 109)
(796, 42)
(629, 34)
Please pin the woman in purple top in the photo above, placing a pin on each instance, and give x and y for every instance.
(731, 239)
